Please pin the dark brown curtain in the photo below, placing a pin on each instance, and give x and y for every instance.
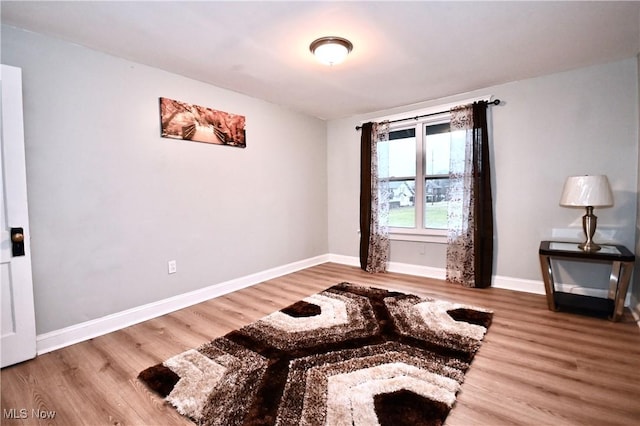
(374, 199)
(365, 192)
(483, 206)
(470, 218)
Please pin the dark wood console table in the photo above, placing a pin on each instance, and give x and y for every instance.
(621, 260)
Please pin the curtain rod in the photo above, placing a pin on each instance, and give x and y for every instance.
(494, 102)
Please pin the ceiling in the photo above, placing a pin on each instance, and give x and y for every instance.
(404, 52)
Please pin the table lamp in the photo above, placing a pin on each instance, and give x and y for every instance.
(587, 191)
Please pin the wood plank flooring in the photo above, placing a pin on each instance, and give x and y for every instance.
(535, 367)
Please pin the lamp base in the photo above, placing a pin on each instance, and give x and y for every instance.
(589, 246)
(589, 223)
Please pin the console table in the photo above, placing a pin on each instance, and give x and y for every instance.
(621, 260)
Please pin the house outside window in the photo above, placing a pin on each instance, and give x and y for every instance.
(418, 158)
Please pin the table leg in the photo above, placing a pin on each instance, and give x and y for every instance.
(614, 279)
(549, 285)
(623, 285)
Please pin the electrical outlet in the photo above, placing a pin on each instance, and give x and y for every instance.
(173, 267)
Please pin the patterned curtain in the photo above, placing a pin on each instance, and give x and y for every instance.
(374, 199)
(470, 235)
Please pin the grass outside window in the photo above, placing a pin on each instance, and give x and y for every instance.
(405, 217)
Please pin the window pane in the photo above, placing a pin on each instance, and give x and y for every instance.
(401, 151)
(435, 208)
(402, 200)
(437, 146)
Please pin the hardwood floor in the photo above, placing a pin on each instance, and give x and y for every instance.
(535, 367)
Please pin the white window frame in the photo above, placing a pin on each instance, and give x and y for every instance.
(419, 233)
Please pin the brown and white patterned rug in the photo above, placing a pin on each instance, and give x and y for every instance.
(349, 355)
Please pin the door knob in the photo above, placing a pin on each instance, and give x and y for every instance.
(17, 241)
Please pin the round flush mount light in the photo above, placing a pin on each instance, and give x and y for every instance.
(331, 50)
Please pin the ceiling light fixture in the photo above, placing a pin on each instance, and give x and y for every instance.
(331, 50)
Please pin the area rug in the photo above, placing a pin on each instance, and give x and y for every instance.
(350, 355)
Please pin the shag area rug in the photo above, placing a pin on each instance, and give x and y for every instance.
(349, 355)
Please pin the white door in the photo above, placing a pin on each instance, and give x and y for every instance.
(18, 317)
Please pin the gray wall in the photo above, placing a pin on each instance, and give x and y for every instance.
(578, 122)
(635, 289)
(110, 201)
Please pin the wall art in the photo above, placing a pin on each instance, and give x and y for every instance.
(180, 120)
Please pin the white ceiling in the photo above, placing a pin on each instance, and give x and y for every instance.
(404, 52)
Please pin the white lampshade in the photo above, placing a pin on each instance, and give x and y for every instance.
(331, 50)
(583, 191)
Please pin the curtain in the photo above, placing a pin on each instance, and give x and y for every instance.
(374, 199)
(470, 212)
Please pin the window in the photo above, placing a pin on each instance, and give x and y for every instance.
(418, 158)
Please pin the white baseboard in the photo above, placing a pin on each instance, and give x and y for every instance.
(401, 268)
(518, 284)
(57, 339)
(635, 309)
(505, 283)
(344, 260)
(418, 270)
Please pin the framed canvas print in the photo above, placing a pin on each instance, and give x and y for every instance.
(180, 120)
